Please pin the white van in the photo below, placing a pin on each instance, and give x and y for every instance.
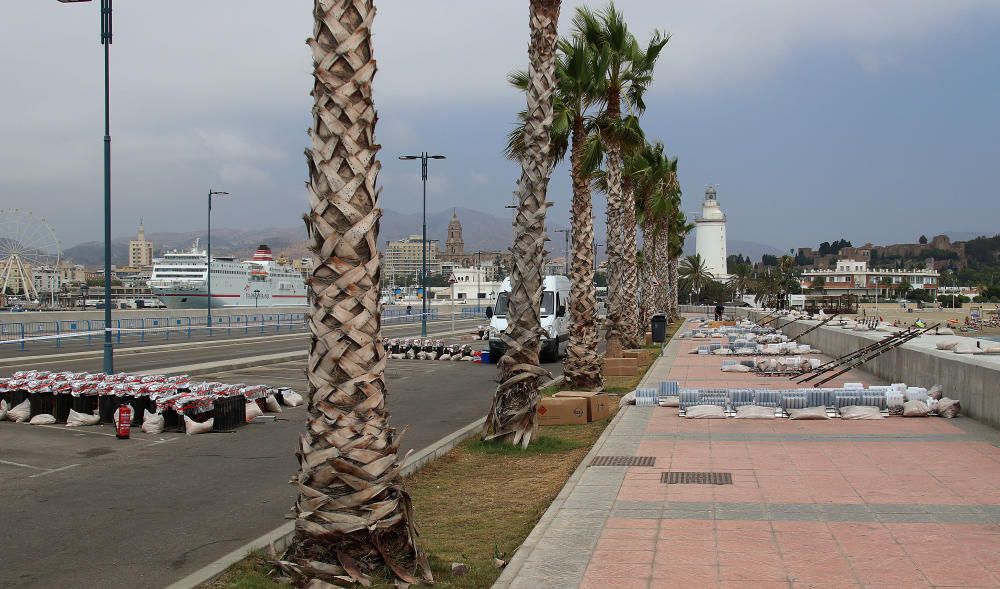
(554, 319)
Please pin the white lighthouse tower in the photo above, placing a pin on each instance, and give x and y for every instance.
(710, 235)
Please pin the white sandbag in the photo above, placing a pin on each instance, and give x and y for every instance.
(627, 399)
(81, 419)
(3, 410)
(932, 404)
(253, 411)
(915, 409)
(936, 392)
(949, 407)
(754, 412)
(860, 412)
(192, 427)
(966, 349)
(292, 399)
(722, 352)
(948, 344)
(152, 423)
(944, 331)
(808, 413)
(705, 412)
(272, 404)
(736, 368)
(992, 350)
(43, 419)
(670, 401)
(20, 413)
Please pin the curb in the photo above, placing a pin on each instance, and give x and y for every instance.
(524, 551)
(280, 537)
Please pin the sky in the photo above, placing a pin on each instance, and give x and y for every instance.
(873, 121)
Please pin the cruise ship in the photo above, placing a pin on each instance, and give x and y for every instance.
(179, 281)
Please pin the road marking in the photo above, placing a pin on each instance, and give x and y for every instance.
(50, 471)
(8, 462)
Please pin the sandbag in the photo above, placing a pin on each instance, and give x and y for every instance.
(944, 331)
(43, 419)
(272, 404)
(736, 368)
(253, 411)
(754, 412)
(991, 350)
(3, 410)
(627, 399)
(808, 413)
(963, 349)
(192, 427)
(936, 392)
(20, 413)
(705, 412)
(152, 423)
(949, 407)
(670, 401)
(947, 345)
(860, 412)
(915, 409)
(292, 399)
(81, 419)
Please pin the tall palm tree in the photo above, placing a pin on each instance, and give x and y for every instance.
(680, 228)
(652, 207)
(625, 79)
(695, 274)
(576, 69)
(513, 415)
(353, 515)
(740, 280)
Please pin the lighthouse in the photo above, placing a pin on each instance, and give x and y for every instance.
(710, 235)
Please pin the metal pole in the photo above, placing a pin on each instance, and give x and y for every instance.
(479, 273)
(208, 264)
(106, 41)
(423, 249)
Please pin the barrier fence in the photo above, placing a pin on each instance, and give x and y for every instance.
(143, 329)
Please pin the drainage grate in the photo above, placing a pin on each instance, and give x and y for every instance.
(623, 461)
(697, 478)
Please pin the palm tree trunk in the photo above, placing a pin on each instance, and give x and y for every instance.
(513, 417)
(629, 271)
(647, 281)
(674, 290)
(353, 515)
(583, 365)
(613, 249)
(663, 271)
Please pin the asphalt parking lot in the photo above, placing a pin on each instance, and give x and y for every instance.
(83, 509)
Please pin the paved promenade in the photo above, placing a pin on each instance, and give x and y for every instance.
(891, 503)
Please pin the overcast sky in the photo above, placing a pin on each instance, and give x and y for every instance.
(874, 121)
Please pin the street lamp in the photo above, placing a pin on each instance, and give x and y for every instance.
(566, 259)
(423, 157)
(256, 297)
(84, 291)
(208, 257)
(106, 41)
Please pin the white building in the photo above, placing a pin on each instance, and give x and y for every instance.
(710, 236)
(47, 282)
(855, 277)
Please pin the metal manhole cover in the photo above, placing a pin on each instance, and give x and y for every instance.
(697, 478)
(623, 461)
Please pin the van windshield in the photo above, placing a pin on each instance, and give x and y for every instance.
(548, 304)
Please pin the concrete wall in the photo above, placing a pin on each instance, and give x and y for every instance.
(974, 380)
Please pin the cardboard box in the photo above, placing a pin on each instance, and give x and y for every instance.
(642, 355)
(598, 404)
(620, 366)
(649, 338)
(562, 411)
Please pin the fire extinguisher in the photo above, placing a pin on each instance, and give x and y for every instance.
(124, 426)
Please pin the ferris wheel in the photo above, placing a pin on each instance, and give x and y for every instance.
(27, 244)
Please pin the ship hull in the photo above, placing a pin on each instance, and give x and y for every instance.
(195, 297)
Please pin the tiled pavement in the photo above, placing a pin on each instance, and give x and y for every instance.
(823, 504)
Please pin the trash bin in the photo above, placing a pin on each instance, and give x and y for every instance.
(659, 328)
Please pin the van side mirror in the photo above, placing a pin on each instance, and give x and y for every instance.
(561, 311)
(489, 312)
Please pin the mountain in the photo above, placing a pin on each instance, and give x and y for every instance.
(479, 230)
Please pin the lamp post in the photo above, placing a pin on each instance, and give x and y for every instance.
(566, 259)
(208, 257)
(479, 274)
(106, 41)
(256, 297)
(84, 291)
(423, 157)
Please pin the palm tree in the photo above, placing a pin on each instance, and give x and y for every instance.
(627, 74)
(818, 284)
(680, 228)
(576, 68)
(513, 415)
(652, 203)
(353, 515)
(695, 274)
(740, 280)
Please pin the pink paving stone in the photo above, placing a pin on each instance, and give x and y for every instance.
(615, 570)
(644, 533)
(617, 583)
(618, 522)
(682, 575)
(624, 556)
(629, 544)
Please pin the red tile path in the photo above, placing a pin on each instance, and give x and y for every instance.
(857, 465)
